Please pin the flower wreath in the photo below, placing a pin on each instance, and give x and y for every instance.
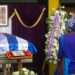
(56, 28)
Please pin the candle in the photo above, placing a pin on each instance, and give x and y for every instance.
(52, 6)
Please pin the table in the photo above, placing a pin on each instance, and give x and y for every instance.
(6, 63)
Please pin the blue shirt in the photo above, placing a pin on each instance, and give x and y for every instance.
(67, 49)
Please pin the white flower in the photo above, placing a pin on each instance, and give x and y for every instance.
(46, 35)
(32, 72)
(55, 62)
(15, 73)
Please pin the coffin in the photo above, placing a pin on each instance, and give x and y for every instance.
(14, 47)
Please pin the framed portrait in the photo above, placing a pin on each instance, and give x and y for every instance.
(3, 15)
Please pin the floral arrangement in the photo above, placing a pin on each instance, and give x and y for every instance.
(24, 71)
(56, 28)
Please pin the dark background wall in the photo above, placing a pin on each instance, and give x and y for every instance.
(29, 11)
(24, 1)
(67, 1)
(29, 14)
(18, 1)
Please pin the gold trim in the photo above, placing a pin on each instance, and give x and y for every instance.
(16, 13)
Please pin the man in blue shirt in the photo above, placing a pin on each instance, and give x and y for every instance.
(67, 52)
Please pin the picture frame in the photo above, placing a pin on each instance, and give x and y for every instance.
(3, 15)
